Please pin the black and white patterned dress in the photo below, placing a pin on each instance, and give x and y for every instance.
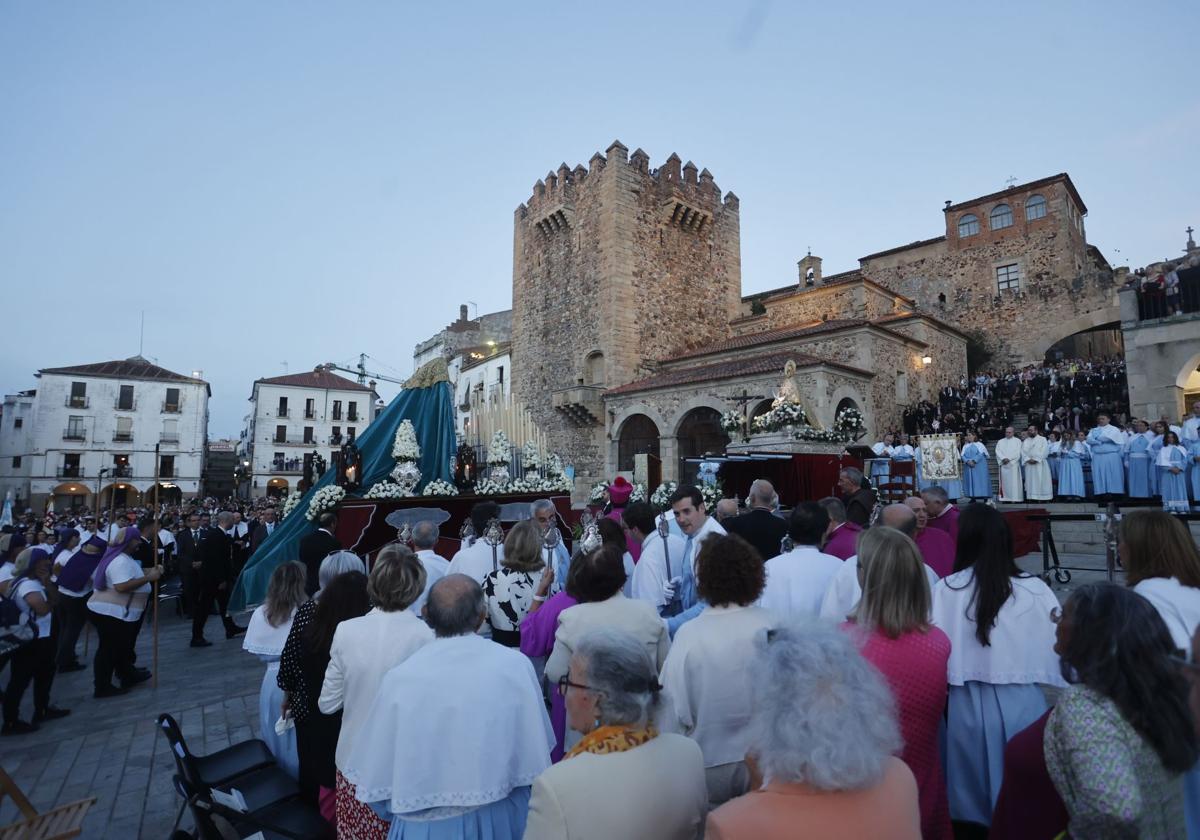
(509, 595)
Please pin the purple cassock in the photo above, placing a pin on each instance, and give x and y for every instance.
(947, 522)
(936, 549)
(843, 542)
(537, 641)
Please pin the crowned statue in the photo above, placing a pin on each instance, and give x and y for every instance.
(789, 390)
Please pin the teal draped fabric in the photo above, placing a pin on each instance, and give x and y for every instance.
(431, 411)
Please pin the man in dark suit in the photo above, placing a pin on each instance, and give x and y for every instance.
(760, 526)
(265, 528)
(857, 496)
(316, 547)
(216, 573)
(187, 541)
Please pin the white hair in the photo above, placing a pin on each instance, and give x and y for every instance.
(823, 716)
(337, 563)
(620, 668)
(540, 505)
(936, 492)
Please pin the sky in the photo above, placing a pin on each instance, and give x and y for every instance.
(281, 184)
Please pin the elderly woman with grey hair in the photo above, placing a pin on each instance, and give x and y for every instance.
(624, 778)
(823, 737)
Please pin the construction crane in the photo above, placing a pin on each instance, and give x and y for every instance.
(361, 372)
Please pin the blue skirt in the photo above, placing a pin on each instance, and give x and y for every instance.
(502, 820)
(270, 701)
(1191, 801)
(981, 718)
(1174, 490)
(1070, 481)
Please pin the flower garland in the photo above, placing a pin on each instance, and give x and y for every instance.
(499, 450)
(439, 487)
(487, 487)
(531, 458)
(291, 503)
(596, 494)
(385, 490)
(404, 446)
(327, 498)
(662, 494)
(731, 421)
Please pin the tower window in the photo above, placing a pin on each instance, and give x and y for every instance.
(1001, 217)
(1035, 208)
(968, 225)
(1008, 277)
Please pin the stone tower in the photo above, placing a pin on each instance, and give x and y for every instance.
(615, 266)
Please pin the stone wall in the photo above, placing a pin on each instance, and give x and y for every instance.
(614, 267)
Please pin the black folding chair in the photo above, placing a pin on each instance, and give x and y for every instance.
(292, 819)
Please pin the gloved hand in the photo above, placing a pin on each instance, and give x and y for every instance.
(670, 588)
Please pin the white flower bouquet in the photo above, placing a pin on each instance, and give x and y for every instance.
(783, 415)
(638, 494)
(439, 487)
(404, 446)
(327, 498)
(487, 487)
(662, 494)
(554, 466)
(385, 490)
(531, 458)
(291, 503)
(731, 421)
(596, 496)
(499, 450)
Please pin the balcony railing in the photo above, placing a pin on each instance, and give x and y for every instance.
(122, 471)
(310, 415)
(122, 437)
(287, 467)
(170, 408)
(77, 402)
(337, 414)
(292, 441)
(74, 434)
(1153, 302)
(71, 472)
(352, 417)
(166, 472)
(169, 437)
(282, 412)
(337, 440)
(125, 405)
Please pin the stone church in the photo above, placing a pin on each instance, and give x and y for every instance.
(630, 332)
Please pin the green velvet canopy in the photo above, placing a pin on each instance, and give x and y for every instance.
(427, 401)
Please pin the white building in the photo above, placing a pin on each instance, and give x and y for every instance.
(482, 376)
(16, 446)
(95, 429)
(296, 416)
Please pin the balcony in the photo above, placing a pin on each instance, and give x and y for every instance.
(291, 441)
(582, 405)
(74, 434)
(170, 408)
(169, 437)
(352, 417)
(122, 471)
(336, 414)
(125, 405)
(310, 415)
(294, 466)
(337, 440)
(166, 472)
(122, 437)
(282, 412)
(77, 402)
(75, 471)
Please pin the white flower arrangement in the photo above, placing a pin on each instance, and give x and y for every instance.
(731, 421)
(291, 503)
(596, 495)
(404, 446)
(712, 494)
(487, 487)
(554, 466)
(531, 458)
(638, 494)
(499, 450)
(327, 498)
(439, 487)
(662, 494)
(849, 419)
(780, 417)
(385, 490)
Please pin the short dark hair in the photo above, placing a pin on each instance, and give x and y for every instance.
(328, 519)
(687, 491)
(483, 513)
(729, 571)
(639, 515)
(808, 523)
(611, 533)
(597, 575)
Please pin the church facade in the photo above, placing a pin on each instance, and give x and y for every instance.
(630, 332)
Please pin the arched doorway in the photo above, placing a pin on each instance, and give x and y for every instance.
(699, 433)
(594, 372)
(760, 409)
(1099, 342)
(168, 494)
(639, 435)
(70, 496)
(119, 495)
(277, 488)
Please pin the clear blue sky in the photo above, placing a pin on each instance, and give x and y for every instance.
(301, 181)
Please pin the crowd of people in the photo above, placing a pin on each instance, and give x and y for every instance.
(1140, 460)
(1069, 393)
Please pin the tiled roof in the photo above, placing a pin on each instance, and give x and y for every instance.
(920, 243)
(769, 336)
(315, 379)
(1032, 185)
(905, 316)
(772, 363)
(134, 367)
(831, 280)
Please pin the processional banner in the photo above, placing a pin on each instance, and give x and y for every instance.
(940, 458)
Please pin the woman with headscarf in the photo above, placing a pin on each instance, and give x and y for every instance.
(34, 662)
(122, 591)
(71, 610)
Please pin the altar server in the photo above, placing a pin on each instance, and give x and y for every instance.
(1008, 457)
(1054, 449)
(1172, 474)
(977, 479)
(1191, 424)
(1157, 430)
(1034, 452)
(1002, 647)
(1137, 461)
(1070, 482)
(1193, 447)
(881, 468)
(1106, 442)
(478, 754)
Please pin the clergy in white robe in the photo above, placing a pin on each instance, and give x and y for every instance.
(797, 579)
(1008, 459)
(1106, 443)
(1035, 451)
(458, 731)
(1191, 425)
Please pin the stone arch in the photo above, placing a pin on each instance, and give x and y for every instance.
(1185, 372)
(594, 372)
(700, 401)
(699, 431)
(120, 494)
(73, 494)
(847, 392)
(277, 487)
(638, 434)
(762, 408)
(1057, 331)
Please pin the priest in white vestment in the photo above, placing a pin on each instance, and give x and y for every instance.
(1035, 451)
(1008, 458)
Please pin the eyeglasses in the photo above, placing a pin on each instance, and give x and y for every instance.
(1056, 615)
(565, 681)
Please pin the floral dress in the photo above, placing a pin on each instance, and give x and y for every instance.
(509, 595)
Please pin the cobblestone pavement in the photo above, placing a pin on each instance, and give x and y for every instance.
(112, 749)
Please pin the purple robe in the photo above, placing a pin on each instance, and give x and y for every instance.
(937, 549)
(947, 522)
(537, 640)
(843, 542)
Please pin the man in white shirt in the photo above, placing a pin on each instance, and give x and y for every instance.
(798, 579)
(687, 503)
(660, 560)
(1191, 426)
(479, 559)
(1008, 458)
(424, 538)
(1034, 452)
(546, 515)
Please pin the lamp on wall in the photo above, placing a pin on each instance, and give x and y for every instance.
(927, 360)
